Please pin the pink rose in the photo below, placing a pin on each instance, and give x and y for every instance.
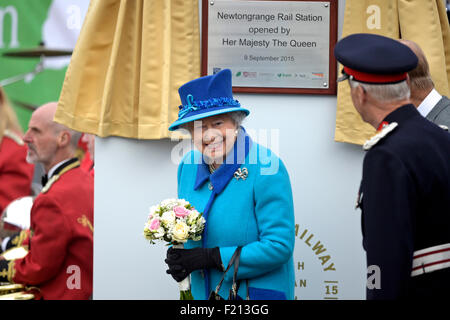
(181, 212)
(154, 225)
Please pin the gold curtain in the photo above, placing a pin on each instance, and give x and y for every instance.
(129, 61)
(422, 21)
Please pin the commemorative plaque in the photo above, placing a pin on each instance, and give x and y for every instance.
(271, 46)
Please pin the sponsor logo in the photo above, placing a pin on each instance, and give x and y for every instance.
(249, 74)
(317, 74)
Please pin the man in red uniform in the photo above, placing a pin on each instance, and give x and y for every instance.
(15, 173)
(60, 258)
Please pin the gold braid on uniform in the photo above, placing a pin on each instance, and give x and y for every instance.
(13, 136)
(7, 271)
(72, 163)
(4, 266)
(11, 271)
(19, 239)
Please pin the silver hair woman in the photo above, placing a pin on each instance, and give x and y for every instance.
(224, 178)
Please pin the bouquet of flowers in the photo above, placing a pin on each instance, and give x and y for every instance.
(175, 221)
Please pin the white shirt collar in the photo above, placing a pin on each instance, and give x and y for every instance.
(52, 169)
(429, 102)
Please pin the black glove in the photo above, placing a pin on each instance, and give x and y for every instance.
(182, 262)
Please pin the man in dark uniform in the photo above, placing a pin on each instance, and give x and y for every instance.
(405, 190)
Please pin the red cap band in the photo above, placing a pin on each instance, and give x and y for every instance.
(375, 78)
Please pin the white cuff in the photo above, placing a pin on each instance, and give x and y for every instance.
(4, 243)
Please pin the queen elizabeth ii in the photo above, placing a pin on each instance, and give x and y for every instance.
(244, 204)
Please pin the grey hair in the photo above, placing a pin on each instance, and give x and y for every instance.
(75, 136)
(238, 117)
(385, 92)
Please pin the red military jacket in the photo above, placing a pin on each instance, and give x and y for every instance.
(87, 164)
(60, 258)
(15, 173)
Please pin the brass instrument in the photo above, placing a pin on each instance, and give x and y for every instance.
(38, 52)
(14, 292)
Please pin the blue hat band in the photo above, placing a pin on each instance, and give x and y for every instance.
(196, 107)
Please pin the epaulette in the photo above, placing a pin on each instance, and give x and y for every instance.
(15, 137)
(380, 135)
(55, 177)
(443, 127)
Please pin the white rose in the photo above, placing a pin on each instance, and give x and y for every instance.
(180, 232)
(159, 233)
(193, 216)
(168, 218)
(169, 203)
(182, 202)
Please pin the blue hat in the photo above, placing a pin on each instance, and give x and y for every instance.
(371, 58)
(205, 97)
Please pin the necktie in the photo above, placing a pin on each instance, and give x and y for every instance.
(44, 180)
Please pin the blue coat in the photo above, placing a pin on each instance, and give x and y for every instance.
(256, 213)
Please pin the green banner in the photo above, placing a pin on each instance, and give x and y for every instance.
(24, 26)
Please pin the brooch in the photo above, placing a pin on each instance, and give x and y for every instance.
(241, 173)
(374, 140)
